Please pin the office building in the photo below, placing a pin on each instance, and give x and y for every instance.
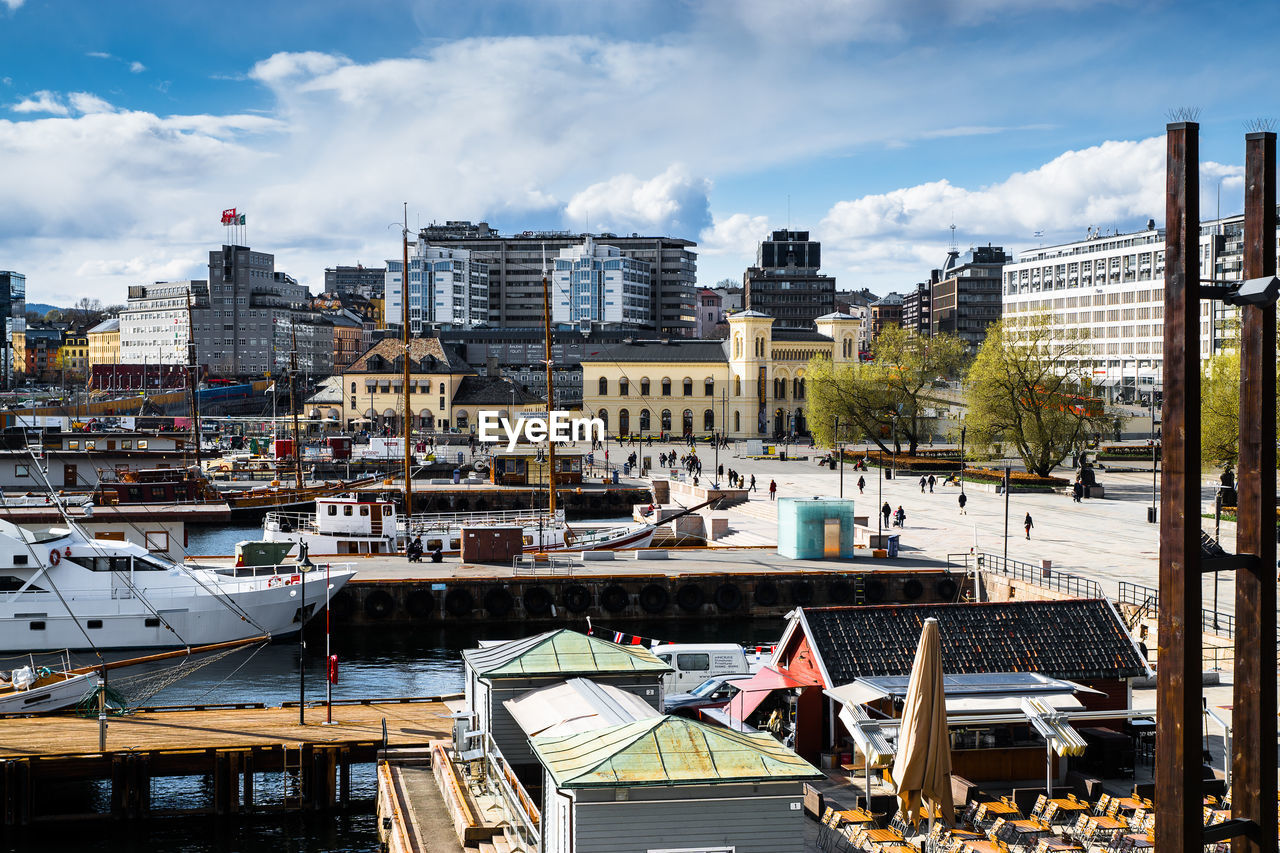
(916, 307)
(104, 343)
(447, 289)
(13, 308)
(594, 284)
(785, 283)
(516, 263)
(244, 318)
(362, 281)
(966, 294)
(1110, 289)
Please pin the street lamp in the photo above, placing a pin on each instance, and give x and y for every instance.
(962, 432)
(893, 466)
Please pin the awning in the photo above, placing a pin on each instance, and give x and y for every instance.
(1007, 704)
(856, 693)
(754, 691)
(866, 733)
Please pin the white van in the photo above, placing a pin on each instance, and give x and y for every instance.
(694, 663)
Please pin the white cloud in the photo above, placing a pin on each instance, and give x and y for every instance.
(86, 103)
(903, 233)
(41, 102)
(98, 54)
(733, 235)
(153, 266)
(137, 68)
(12, 4)
(673, 202)
(282, 67)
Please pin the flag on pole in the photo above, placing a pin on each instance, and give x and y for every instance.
(229, 216)
(241, 222)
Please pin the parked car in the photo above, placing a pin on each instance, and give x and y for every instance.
(712, 693)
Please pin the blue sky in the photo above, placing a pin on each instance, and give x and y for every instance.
(125, 128)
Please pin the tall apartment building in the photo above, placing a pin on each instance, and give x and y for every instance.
(244, 318)
(516, 263)
(362, 281)
(785, 283)
(966, 295)
(1111, 288)
(593, 284)
(916, 307)
(448, 288)
(13, 308)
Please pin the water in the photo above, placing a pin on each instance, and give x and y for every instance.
(219, 540)
(398, 661)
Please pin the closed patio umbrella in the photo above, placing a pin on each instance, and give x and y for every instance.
(922, 767)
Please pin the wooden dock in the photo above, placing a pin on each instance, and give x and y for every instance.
(244, 749)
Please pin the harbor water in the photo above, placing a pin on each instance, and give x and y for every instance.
(412, 660)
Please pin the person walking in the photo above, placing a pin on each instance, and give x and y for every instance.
(932, 480)
(773, 490)
(901, 519)
(1026, 523)
(923, 482)
(886, 511)
(720, 470)
(862, 484)
(1077, 491)
(752, 487)
(962, 500)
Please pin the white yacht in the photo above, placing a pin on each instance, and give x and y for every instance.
(60, 589)
(344, 526)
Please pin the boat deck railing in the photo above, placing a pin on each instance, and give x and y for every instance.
(512, 517)
(290, 522)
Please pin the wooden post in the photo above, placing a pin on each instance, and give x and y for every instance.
(248, 781)
(1254, 694)
(1178, 724)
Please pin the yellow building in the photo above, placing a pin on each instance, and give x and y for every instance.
(750, 385)
(104, 343)
(73, 356)
(445, 393)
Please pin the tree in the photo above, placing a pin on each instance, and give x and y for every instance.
(1028, 387)
(85, 313)
(1220, 405)
(887, 396)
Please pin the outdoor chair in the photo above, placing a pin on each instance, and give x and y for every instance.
(1103, 803)
(1041, 802)
(1050, 812)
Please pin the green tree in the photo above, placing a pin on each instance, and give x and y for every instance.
(887, 396)
(1028, 387)
(1220, 406)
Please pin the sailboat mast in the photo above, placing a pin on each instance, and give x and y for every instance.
(293, 406)
(408, 410)
(193, 380)
(546, 347)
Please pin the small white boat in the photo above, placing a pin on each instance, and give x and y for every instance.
(31, 689)
(345, 526)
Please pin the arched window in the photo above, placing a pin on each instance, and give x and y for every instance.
(624, 422)
(737, 386)
(353, 387)
(644, 387)
(624, 387)
(604, 387)
(666, 387)
(708, 420)
(666, 420)
(603, 415)
(709, 387)
(760, 346)
(800, 388)
(460, 419)
(688, 387)
(644, 420)
(737, 421)
(795, 387)
(441, 387)
(686, 422)
(737, 346)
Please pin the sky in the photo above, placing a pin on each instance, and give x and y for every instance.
(126, 128)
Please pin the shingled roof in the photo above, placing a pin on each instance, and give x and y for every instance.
(429, 356)
(1074, 639)
(491, 391)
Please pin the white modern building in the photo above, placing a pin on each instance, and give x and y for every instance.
(448, 289)
(596, 283)
(154, 327)
(1110, 288)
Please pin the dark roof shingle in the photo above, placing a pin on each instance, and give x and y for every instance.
(673, 351)
(1074, 639)
(491, 390)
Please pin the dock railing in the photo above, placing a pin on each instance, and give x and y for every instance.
(526, 820)
(533, 565)
(1071, 584)
(1148, 599)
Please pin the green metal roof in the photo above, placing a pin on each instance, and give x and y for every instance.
(562, 652)
(667, 751)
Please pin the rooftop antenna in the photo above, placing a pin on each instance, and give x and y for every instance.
(788, 211)
(953, 237)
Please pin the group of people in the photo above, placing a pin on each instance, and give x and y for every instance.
(899, 515)
(736, 481)
(416, 551)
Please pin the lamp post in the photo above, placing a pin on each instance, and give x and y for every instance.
(1152, 514)
(1005, 566)
(303, 566)
(835, 439)
(962, 432)
(893, 465)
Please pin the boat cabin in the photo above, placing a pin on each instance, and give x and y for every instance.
(342, 516)
(151, 486)
(529, 466)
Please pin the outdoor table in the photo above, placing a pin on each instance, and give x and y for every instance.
(856, 816)
(1068, 810)
(1137, 842)
(1130, 804)
(982, 847)
(899, 848)
(884, 836)
(1216, 816)
(1018, 830)
(998, 809)
(1103, 824)
(1056, 845)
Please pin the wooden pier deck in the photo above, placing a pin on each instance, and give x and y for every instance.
(409, 723)
(258, 759)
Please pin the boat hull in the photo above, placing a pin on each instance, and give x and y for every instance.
(124, 619)
(53, 696)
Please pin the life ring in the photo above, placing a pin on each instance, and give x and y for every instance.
(55, 557)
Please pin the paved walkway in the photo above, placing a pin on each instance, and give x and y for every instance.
(1106, 539)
